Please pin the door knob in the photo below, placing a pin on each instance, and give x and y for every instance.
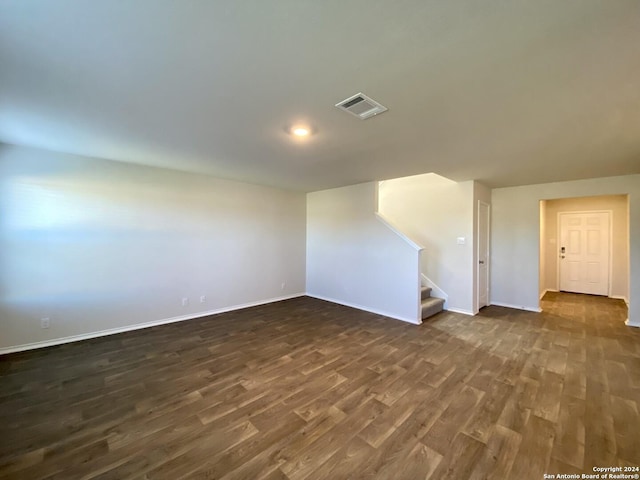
(561, 256)
(481, 262)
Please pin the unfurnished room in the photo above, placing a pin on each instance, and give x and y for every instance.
(319, 240)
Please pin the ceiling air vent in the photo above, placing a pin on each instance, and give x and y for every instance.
(361, 106)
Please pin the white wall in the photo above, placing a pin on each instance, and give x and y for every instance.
(515, 237)
(355, 259)
(97, 245)
(544, 250)
(435, 211)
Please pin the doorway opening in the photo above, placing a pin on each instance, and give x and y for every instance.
(584, 247)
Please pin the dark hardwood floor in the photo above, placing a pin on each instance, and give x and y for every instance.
(308, 389)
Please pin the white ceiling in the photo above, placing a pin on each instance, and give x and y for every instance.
(505, 92)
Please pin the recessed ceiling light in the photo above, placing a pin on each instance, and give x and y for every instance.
(300, 131)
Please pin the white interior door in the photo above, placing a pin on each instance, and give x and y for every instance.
(483, 254)
(584, 252)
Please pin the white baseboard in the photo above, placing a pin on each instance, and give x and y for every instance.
(621, 297)
(547, 290)
(139, 326)
(460, 310)
(517, 307)
(366, 309)
(629, 324)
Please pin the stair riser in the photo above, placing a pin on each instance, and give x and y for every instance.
(431, 306)
(425, 293)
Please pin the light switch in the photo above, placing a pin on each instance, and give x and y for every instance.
(462, 240)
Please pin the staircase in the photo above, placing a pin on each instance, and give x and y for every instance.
(429, 305)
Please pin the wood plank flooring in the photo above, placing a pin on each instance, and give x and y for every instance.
(306, 389)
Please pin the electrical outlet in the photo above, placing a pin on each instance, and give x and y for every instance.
(284, 284)
(185, 301)
(203, 298)
(45, 322)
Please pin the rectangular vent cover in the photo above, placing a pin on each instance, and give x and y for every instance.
(361, 106)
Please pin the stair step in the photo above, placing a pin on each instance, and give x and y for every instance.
(425, 292)
(430, 306)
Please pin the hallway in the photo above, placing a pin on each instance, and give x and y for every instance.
(592, 310)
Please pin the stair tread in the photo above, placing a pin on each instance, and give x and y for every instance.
(432, 301)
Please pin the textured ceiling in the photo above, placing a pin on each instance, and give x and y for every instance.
(505, 92)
